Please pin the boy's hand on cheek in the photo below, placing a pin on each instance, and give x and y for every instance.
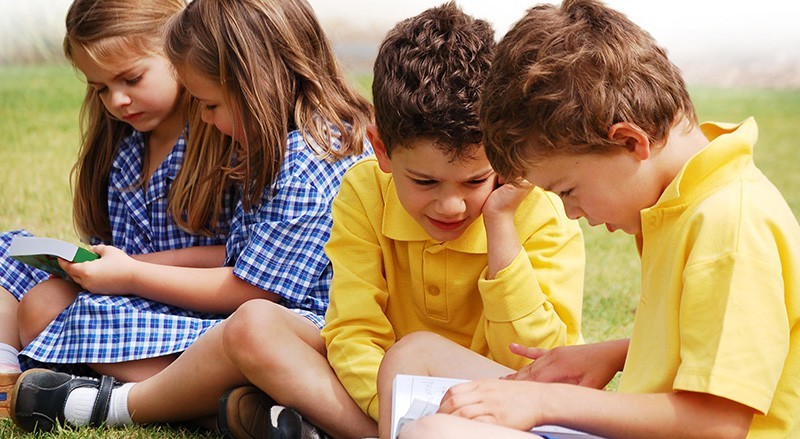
(505, 199)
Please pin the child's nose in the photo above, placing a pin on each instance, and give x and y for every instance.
(205, 116)
(573, 211)
(451, 205)
(120, 99)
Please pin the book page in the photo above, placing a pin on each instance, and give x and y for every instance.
(416, 396)
(423, 392)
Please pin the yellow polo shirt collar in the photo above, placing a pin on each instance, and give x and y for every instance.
(701, 172)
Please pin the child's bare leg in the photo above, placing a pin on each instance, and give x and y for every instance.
(190, 387)
(134, 371)
(9, 331)
(428, 354)
(9, 348)
(447, 426)
(283, 353)
(42, 304)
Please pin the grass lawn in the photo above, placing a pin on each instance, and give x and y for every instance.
(38, 137)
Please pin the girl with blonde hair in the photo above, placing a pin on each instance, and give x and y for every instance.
(283, 126)
(133, 141)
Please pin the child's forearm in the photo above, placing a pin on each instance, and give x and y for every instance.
(525, 404)
(214, 290)
(668, 415)
(205, 256)
(503, 243)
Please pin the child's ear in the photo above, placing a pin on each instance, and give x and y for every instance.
(634, 138)
(380, 149)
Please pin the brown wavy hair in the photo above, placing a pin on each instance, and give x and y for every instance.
(428, 77)
(564, 75)
(278, 72)
(108, 30)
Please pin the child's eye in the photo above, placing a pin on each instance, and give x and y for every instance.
(134, 80)
(478, 182)
(210, 107)
(101, 90)
(563, 194)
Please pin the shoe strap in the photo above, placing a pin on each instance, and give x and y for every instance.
(102, 401)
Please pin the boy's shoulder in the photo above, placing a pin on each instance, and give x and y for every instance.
(366, 184)
(365, 174)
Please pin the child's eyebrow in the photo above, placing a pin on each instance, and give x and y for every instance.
(116, 77)
(476, 176)
(420, 175)
(124, 73)
(480, 175)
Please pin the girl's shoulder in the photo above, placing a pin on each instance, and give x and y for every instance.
(305, 159)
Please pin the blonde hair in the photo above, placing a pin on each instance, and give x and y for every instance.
(278, 73)
(107, 30)
(562, 76)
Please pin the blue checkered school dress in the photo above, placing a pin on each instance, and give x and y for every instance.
(17, 278)
(277, 246)
(98, 328)
(139, 221)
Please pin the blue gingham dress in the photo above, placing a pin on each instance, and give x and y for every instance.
(99, 328)
(277, 246)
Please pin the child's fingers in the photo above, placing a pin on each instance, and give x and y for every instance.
(456, 397)
(64, 264)
(526, 351)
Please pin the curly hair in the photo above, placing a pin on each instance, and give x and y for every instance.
(428, 77)
(564, 75)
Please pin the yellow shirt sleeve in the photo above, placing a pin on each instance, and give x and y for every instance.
(357, 331)
(538, 306)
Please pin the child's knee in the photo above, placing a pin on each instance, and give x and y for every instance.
(36, 310)
(243, 337)
(415, 344)
(408, 354)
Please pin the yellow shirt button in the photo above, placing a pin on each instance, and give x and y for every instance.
(433, 290)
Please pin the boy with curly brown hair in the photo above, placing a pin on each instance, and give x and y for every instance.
(428, 247)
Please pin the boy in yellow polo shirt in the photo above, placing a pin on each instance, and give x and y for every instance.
(582, 102)
(425, 237)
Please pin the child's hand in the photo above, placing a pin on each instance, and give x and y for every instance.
(505, 199)
(513, 404)
(590, 365)
(111, 274)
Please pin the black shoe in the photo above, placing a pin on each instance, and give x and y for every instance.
(248, 413)
(40, 395)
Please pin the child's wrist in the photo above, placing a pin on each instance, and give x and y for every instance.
(497, 218)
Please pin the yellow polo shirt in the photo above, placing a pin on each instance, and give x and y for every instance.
(391, 279)
(720, 305)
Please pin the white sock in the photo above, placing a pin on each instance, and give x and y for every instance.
(118, 410)
(78, 409)
(9, 357)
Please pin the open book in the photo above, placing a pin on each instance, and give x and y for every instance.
(43, 253)
(415, 396)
